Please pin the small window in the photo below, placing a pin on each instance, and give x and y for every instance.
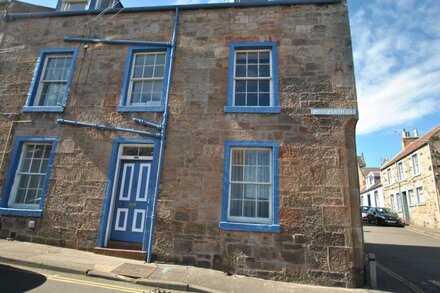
(400, 173)
(412, 197)
(104, 4)
(253, 80)
(144, 84)
(415, 164)
(393, 202)
(137, 151)
(390, 176)
(28, 175)
(250, 196)
(420, 196)
(51, 83)
(74, 5)
(399, 202)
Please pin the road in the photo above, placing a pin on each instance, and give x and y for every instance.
(14, 279)
(407, 261)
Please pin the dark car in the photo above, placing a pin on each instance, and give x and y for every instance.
(364, 212)
(384, 216)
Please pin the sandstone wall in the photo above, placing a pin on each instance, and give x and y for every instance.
(321, 237)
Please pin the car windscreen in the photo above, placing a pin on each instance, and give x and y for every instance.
(384, 211)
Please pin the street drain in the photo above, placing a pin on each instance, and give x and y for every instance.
(133, 270)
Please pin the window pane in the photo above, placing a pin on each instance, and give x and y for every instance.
(264, 86)
(252, 71)
(238, 157)
(264, 71)
(240, 99)
(236, 191)
(139, 60)
(252, 99)
(156, 98)
(251, 157)
(138, 71)
(250, 191)
(264, 100)
(157, 86)
(240, 71)
(149, 59)
(253, 58)
(263, 192)
(264, 58)
(252, 86)
(25, 166)
(263, 209)
(130, 151)
(250, 174)
(240, 86)
(237, 173)
(21, 195)
(241, 58)
(148, 71)
(264, 174)
(249, 209)
(146, 151)
(263, 158)
(158, 72)
(52, 94)
(236, 208)
(43, 168)
(160, 59)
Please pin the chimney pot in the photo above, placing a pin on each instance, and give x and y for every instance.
(416, 133)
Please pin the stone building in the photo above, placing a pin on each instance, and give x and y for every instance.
(215, 135)
(372, 192)
(411, 180)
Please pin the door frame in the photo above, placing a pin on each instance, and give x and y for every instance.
(111, 186)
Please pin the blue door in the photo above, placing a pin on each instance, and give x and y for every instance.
(129, 216)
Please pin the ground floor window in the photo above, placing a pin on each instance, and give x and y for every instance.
(250, 193)
(420, 195)
(28, 175)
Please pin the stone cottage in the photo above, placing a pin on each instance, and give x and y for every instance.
(412, 179)
(215, 135)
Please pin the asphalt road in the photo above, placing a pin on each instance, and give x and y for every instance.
(406, 261)
(14, 279)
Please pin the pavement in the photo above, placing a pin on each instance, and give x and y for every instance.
(165, 276)
(434, 233)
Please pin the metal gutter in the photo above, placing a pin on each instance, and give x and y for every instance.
(117, 42)
(13, 16)
(163, 136)
(105, 127)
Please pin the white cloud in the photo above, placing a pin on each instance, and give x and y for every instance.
(397, 60)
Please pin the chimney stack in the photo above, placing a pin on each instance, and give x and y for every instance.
(407, 139)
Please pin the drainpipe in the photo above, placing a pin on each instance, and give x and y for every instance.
(162, 139)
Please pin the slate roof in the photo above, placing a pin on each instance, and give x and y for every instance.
(415, 145)
(372, 187)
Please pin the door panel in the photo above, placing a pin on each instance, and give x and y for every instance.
(129, 216)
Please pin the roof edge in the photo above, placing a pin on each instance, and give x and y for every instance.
(13, 16)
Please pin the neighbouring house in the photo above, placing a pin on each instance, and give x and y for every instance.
(372, 193)
(363, 171)
(215, 135)
(411, 179)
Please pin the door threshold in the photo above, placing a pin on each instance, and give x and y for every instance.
(123, 253)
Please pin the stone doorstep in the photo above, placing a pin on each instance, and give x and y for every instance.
(123, 253)
(415, 229)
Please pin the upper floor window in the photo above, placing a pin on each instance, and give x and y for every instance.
(389, 176)
(415, 164)
(103, 4)
(28, 175)
(73, 5)
(144, 87)
(253, 78)
(400, 176)
(250, 192)
(51, 82)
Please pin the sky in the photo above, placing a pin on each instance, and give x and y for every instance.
(396, 51)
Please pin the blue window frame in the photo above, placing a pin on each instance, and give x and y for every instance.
(145, 80)
(51, 82)
(250, 199)
(253, 78)
(77, 5)
(28, 176)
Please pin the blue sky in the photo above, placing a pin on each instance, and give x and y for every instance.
(397, 65)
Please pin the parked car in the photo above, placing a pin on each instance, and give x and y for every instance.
(384, 216)
(364, 212)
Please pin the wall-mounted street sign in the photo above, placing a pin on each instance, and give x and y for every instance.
(327, 112)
